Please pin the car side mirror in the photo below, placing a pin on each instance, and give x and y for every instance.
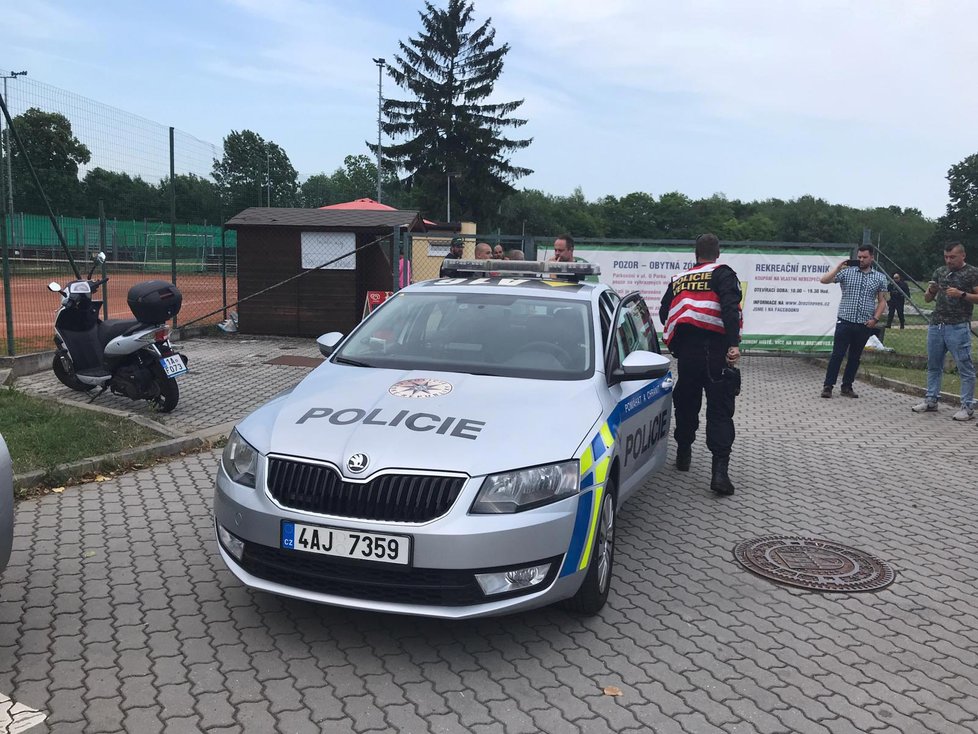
(54, 287)
(641, 365)
(327, 342)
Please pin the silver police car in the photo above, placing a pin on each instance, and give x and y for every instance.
(462, 453)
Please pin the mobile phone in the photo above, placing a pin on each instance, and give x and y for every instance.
(852, 261)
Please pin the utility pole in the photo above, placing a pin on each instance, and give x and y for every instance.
(268, 153)
(10, 150)
(380, 103)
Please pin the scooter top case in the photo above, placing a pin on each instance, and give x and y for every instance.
(155, 301)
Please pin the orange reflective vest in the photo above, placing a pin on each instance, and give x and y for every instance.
(694, 302)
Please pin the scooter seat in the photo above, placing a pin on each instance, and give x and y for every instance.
(109, 330)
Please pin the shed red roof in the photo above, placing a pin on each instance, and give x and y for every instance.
(361, 204)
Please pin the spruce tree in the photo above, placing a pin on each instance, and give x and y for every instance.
(449, 126)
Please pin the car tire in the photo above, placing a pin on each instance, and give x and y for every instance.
(593, 593)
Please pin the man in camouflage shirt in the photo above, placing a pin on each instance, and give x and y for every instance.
(955, 286)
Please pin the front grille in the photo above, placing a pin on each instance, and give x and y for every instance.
(372, 582)
(392, 497)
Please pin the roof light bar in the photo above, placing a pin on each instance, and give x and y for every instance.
(520, 267)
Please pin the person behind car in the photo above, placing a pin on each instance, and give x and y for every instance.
(454, 253)
(700, 311)
(498, 253)
(404, 271)
(515, 255)
(483, 251)
(563, 249)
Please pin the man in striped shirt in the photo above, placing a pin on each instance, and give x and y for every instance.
(863, 303)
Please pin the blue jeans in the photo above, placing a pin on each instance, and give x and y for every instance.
(956, 339)
(849, 338)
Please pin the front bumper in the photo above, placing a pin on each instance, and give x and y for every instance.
(447, 553)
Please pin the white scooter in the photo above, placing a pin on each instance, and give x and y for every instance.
(132, 358)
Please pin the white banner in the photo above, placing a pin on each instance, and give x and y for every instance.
(785, 306)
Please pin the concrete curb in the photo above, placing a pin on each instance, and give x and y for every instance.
(896, 385)
(171, 447)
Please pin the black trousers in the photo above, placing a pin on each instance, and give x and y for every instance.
(896, 307)
(849, 342)
(700, 369)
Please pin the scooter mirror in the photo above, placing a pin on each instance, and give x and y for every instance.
(54, 287)
(99, 258)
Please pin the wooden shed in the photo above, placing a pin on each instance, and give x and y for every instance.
(275, 244)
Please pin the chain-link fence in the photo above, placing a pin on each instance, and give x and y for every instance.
(108, 181)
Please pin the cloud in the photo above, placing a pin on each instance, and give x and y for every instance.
(855, 61)
(40, 20)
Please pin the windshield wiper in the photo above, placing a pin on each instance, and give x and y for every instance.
(351, 362)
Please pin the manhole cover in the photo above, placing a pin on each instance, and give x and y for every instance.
(294, 360)
(810, 563)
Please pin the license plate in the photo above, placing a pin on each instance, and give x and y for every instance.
(173, 365)
(340, 543)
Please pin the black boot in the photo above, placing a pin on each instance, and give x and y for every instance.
(684, 455)
(720, 483)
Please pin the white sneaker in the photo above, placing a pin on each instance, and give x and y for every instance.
(925, 407)
(964, 414)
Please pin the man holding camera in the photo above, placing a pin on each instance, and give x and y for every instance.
(862, 305)
(700, 313)
(955, 286)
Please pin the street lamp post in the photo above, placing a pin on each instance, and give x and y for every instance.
(450, 175)
(9, 151)
(380, 100)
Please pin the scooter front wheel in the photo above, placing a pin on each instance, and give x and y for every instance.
(66, 376)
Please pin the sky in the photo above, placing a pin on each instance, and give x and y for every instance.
(859, 102)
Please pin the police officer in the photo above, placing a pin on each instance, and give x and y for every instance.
(701, 314)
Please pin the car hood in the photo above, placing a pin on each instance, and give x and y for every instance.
(425, 420)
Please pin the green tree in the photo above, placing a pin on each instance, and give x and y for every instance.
(356, 179)
(450, 129)
(55, 154)
(253, 172)
(198, 200)
(961, 220)
(633, 215)
(676, 220)
(123, 197)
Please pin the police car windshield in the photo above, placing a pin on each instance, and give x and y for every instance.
(483, 333)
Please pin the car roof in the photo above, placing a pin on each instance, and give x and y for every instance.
(512, 285)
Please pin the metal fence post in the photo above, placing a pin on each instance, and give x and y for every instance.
(105, 293)
(224, 273)
(395, 241)
(173, 220)
(101, 248)
(7, 300)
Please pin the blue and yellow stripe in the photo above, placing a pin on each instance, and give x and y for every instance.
(595, 463)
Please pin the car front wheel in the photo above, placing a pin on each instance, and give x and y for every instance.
(593, 594)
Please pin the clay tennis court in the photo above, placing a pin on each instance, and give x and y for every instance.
(34, 306)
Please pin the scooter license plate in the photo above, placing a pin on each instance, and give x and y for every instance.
(173, 365)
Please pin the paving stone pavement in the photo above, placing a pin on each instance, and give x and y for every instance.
(116, 613)
(245, 381)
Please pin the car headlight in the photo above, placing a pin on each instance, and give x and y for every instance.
(240, 460)
(528, 488)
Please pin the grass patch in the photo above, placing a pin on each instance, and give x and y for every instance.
(950, 384)
(42, 434)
